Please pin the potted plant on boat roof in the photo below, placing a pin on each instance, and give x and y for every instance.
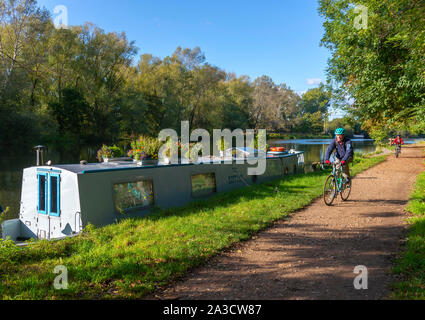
(145, 150)
(137, 154)
(190, 153)
(195, 151)
(109, 153)
(172, 149)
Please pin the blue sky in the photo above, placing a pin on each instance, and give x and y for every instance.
(278, 38)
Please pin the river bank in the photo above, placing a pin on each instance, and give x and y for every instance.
(296, 136)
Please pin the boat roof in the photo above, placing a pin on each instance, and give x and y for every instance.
(128, 165)
(245, 150)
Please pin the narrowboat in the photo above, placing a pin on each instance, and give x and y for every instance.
(58, 201)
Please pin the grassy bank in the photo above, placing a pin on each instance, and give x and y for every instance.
(132, 258)
(411, 266)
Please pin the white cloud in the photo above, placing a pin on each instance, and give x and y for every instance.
(313, 81)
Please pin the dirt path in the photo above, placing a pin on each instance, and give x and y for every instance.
(313, 254)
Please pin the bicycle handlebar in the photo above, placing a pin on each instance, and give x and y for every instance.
(323, 164)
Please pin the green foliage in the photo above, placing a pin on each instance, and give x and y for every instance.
(348, 123)
(379, 67)
(315, 100)
(379, 134)
(313, 111)
(71, 79)
(145, 147)
(411, 265)
(260, 141)
(71, 112)
(283, 136)
(109, 152)
(311, 122)
(80, 85)
(132, 258)
(273, 106)
(89, 228)
(3, 215)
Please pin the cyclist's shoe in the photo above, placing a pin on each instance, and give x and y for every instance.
(347, 181)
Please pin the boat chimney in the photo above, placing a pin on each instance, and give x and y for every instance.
(40, 153)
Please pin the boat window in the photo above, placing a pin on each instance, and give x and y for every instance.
(203, 185)
(42, 194)
(131, 195)
(54, 209)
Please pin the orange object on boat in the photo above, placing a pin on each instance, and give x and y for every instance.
(277, 149)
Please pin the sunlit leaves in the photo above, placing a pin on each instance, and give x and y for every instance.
(382, 66)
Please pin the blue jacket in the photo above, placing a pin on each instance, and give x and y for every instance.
(342, 152)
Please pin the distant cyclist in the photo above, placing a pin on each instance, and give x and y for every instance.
(398, 141)
(344, 152)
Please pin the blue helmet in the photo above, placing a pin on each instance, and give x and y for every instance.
(339, 131)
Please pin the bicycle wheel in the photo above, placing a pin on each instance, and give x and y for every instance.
(346, 190)
(397, 152)
(329, 190)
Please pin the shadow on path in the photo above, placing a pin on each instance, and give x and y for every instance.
(313, 254)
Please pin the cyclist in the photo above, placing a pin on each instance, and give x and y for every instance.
(398, 141)
(344, 152)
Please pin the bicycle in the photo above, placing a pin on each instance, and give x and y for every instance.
(334, 184)
(397, 150)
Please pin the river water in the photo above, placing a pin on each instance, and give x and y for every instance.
(12, 164)
(315, 149)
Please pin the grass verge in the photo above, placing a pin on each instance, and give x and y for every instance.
(132, 258)
(411, 265)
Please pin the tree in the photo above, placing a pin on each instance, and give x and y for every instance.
(22, 26)
(101, 65)
(274, 106)
(380, 67)
(72, 113)
(83, 83)
(310, 123)
(313, 108)
(315, 100)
